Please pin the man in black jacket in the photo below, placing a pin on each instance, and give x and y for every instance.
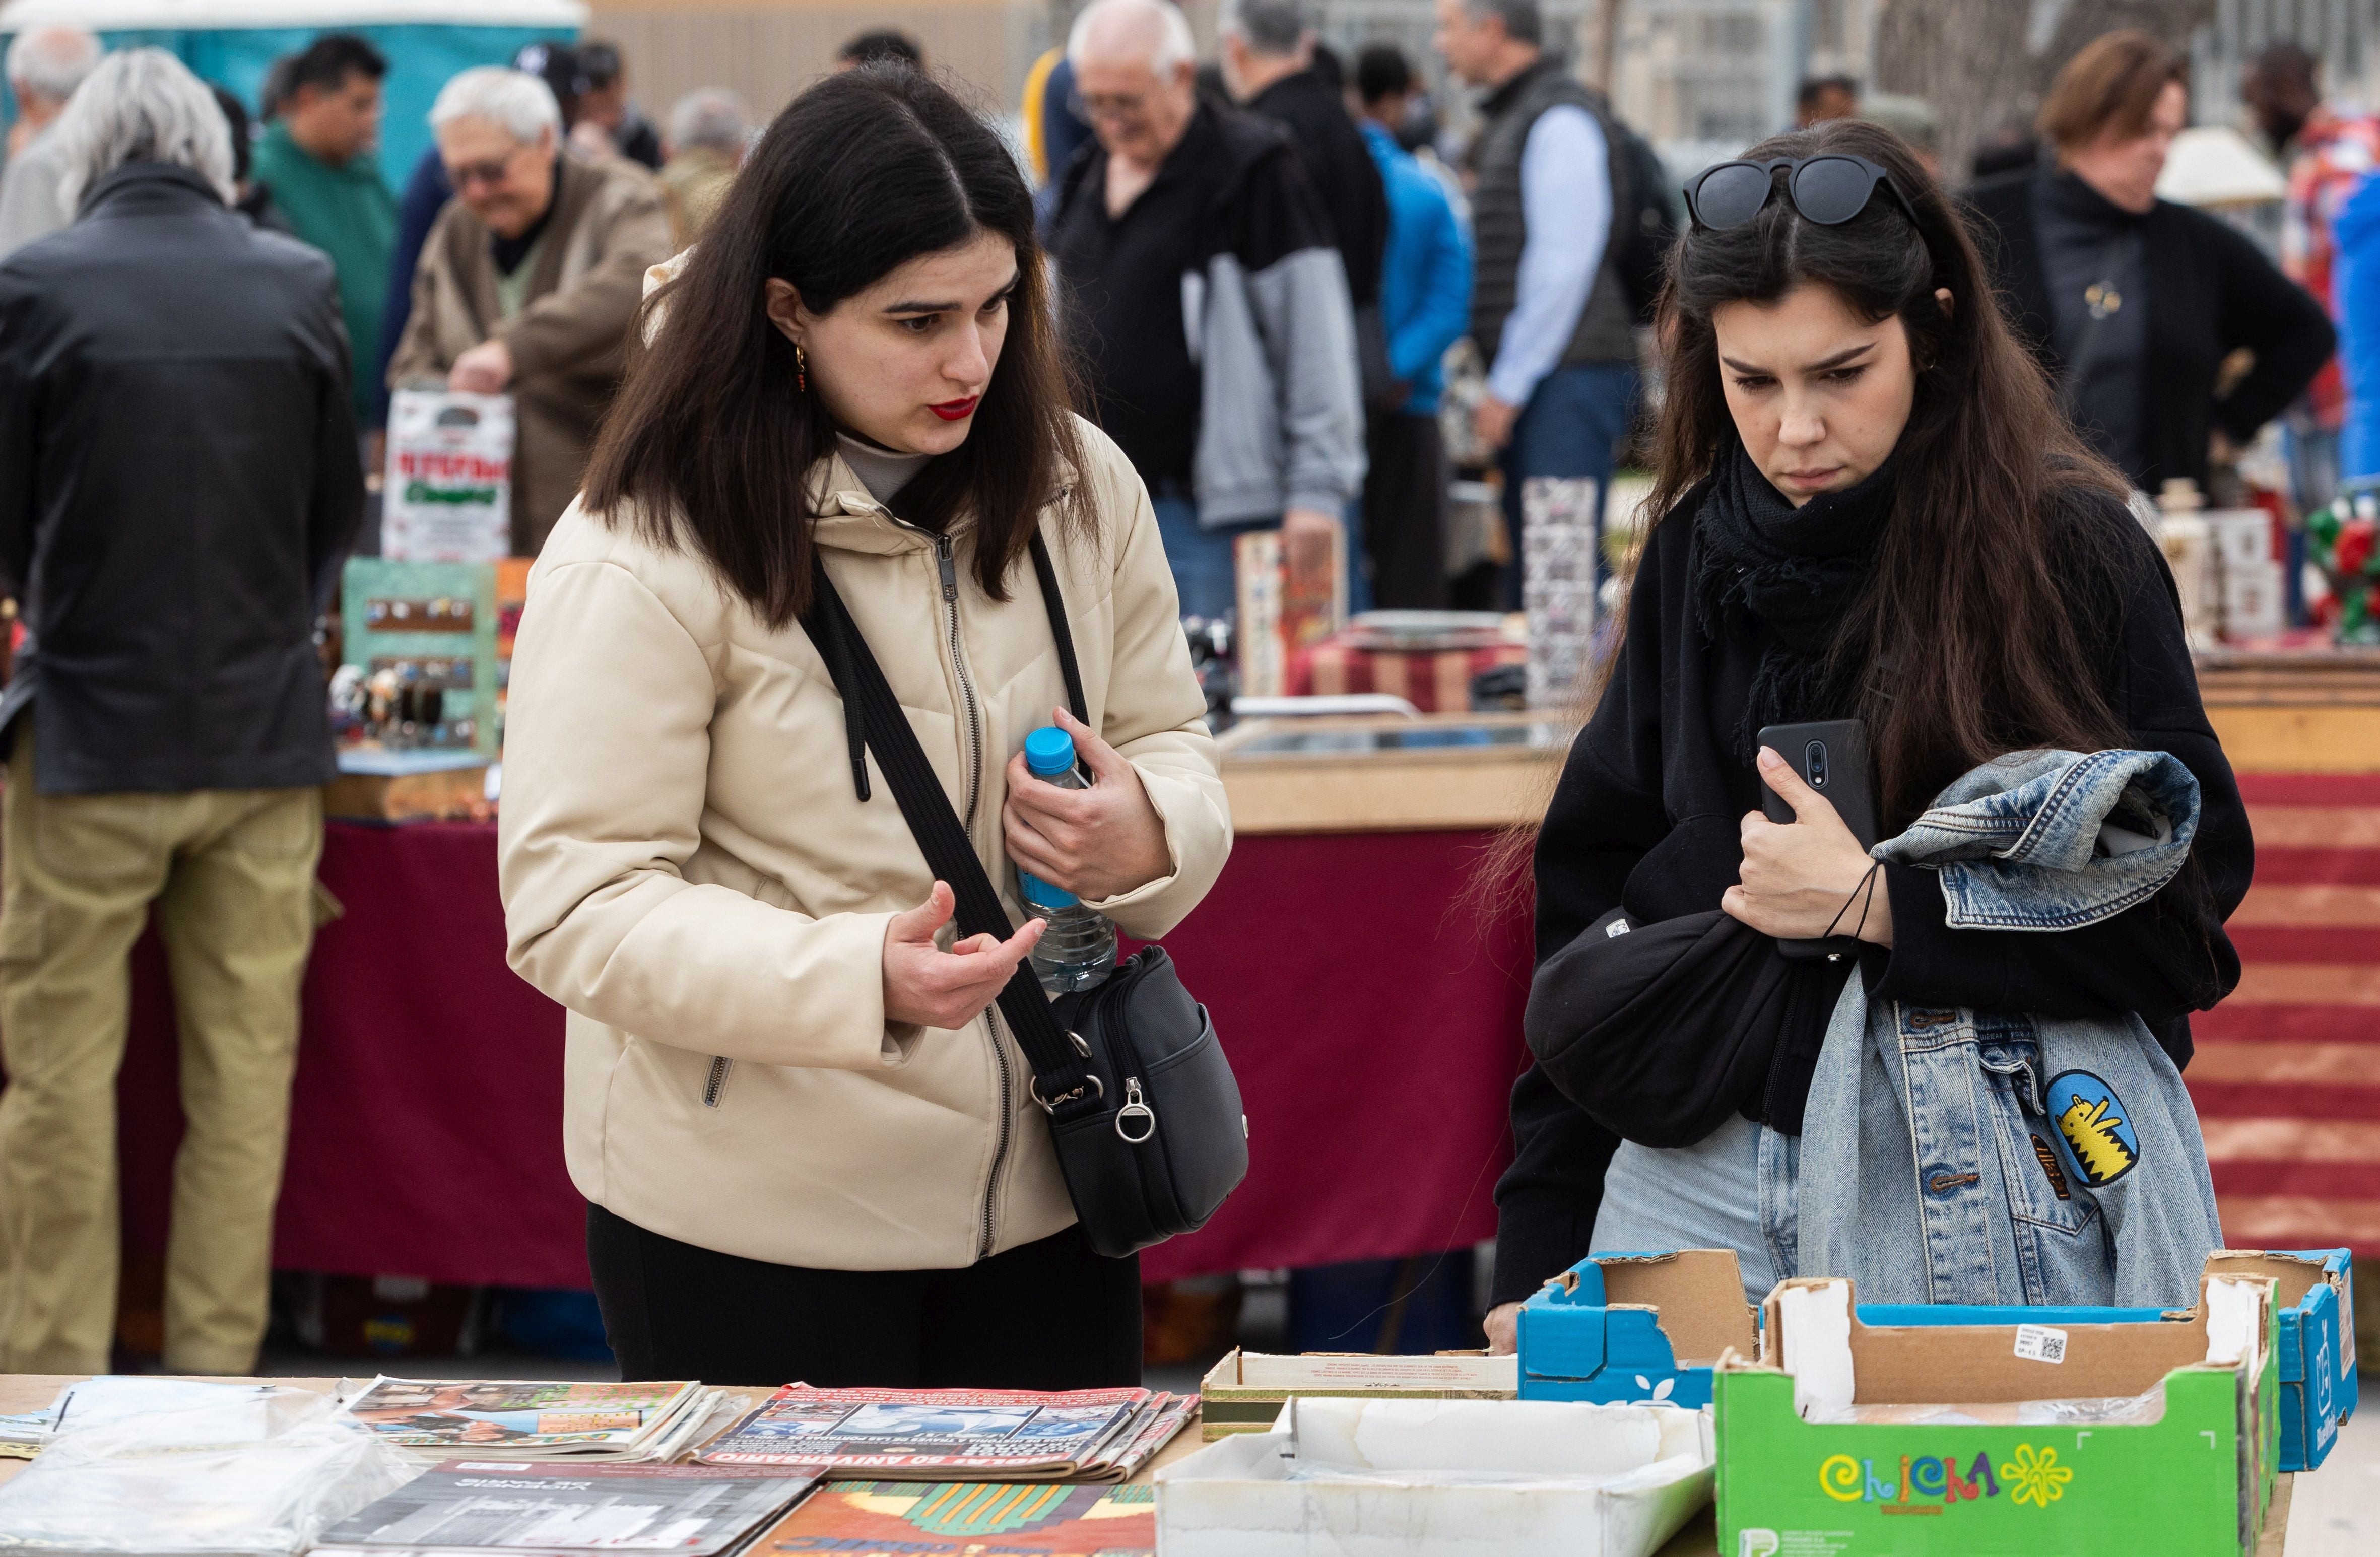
(2134, 303)
(1266, 49)
(179, 477)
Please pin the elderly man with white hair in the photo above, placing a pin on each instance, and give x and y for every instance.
(45, 64)
(1205, 295)
(178, 480)
(529, 279)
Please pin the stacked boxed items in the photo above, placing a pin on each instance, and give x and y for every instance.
(1635, 1327)
(2251, 588)
(1561, 556)
(1341, 1478)
(439, 1419)
(1858, 1439)
(1245, 1391)
(504, 1506)
(1083, 1435)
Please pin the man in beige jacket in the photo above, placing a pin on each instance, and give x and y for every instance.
(530, 280)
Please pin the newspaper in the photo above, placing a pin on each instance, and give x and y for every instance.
(504, 1420)
(504, 1506)
(929, 1434)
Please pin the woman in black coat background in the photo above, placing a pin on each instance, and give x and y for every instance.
(2130, 302)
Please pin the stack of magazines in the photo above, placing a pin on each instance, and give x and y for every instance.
(495, 1419)
(495, 1507)
(944, 1435)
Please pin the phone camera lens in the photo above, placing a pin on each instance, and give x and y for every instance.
(1814, 763)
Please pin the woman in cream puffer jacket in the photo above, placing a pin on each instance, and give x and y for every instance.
(804, 1132)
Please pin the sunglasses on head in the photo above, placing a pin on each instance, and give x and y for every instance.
(1828, 190)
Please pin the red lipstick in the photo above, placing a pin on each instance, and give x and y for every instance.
(957, 410)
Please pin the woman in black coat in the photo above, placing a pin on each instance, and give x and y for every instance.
(2130, 302)
(1872, 509)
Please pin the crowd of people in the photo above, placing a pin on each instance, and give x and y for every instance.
(794, 409)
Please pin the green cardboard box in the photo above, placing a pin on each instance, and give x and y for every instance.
(1858, 1440)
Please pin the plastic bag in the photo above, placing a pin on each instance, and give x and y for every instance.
(243, 1468)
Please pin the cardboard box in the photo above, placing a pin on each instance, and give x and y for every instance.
(2243, 536)
(1959, 1464)
(1245, 1391)
(1635, 1327)
(2315, 1295)
(1441, 1479)
(2254, 602)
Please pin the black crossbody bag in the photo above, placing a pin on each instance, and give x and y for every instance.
(1142, 1105)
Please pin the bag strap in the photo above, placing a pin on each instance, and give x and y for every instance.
(1063, 1082)
(1047, 571)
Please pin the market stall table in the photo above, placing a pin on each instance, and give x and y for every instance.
(1372, 1016)
(1369, 998)
(32, 1392)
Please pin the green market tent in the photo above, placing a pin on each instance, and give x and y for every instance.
(231, 43)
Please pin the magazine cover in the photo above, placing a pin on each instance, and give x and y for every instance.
(928, 1430)
(416, 1413)
(924, 1519)
(503, 1505)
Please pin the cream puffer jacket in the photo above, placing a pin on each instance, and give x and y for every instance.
(688, 868)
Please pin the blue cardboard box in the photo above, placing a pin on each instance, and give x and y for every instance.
(1630, 1328)
(2316, 1300)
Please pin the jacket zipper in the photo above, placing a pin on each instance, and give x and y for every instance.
(950, 576)
(999, 1135)
(716, 1083)
(966, 687)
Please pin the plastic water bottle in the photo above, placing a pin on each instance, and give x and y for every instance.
(1079, 948)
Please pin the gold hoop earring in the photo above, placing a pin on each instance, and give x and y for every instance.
(801, 370)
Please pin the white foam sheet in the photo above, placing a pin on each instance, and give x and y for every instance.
(1816, 1322)
(1341, 1478)
(2233, 1319)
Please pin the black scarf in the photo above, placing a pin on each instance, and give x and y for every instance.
(1760, 563)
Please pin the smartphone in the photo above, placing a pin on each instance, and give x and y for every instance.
(1831, 757)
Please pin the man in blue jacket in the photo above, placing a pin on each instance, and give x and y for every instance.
(1425, 306)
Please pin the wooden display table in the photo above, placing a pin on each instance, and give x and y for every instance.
(1384, 773)
(2295, 710)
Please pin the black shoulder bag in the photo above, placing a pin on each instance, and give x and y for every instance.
(1142, 1105)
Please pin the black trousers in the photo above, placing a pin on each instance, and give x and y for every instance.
(1404, 512)
(1051, 1315)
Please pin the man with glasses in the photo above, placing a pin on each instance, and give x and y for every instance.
(528, 280)
(1549, 309)
(1205, 295)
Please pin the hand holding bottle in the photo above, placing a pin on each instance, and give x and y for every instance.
(1096, 843)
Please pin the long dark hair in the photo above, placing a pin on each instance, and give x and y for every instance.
(1969, 640)
(710, 443)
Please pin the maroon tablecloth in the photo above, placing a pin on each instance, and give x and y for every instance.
(1375, 1029)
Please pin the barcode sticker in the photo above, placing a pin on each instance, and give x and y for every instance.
(2039, 1343)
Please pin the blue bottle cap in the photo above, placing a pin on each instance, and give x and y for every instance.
(1043, 895)
(1048, 751)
